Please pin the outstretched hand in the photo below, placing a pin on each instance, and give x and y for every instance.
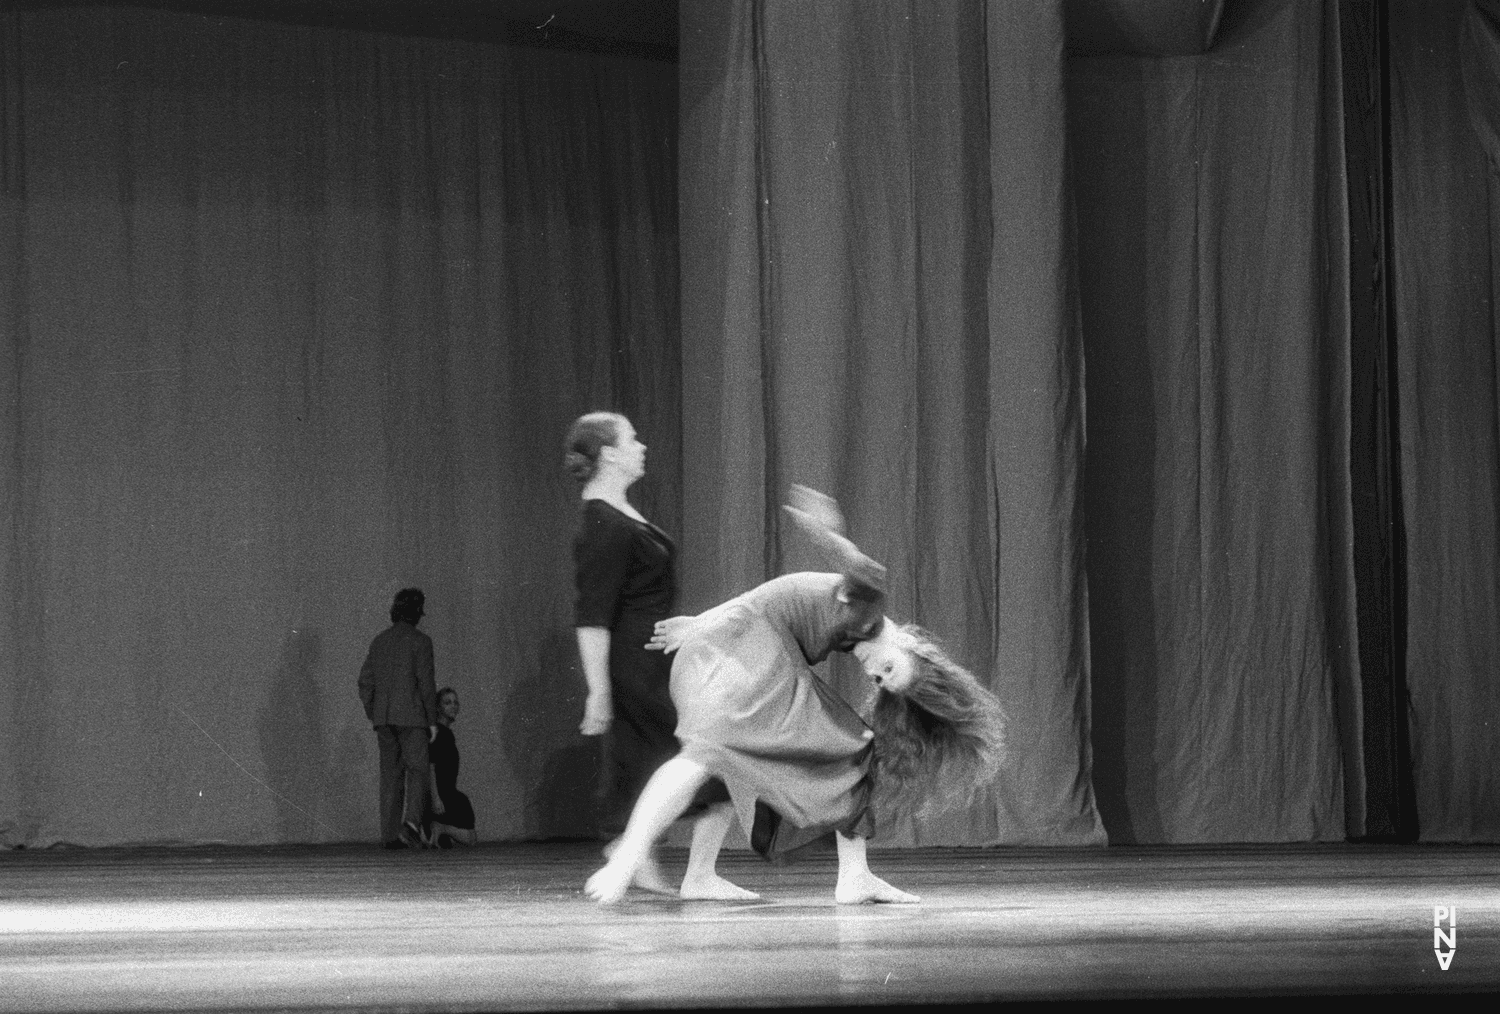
(670, 634)
(815, 512)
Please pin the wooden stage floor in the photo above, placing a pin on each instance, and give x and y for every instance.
(507, 927)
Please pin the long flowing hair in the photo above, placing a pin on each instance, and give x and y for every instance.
(941, 742)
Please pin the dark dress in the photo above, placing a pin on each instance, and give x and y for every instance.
(794, 754)
(626, 582)
(442, 752)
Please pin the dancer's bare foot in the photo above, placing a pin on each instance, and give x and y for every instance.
(864, 887)
(648, 876)
(609, 884)
(712, 887)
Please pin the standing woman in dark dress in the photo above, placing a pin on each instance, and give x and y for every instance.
(626, 584)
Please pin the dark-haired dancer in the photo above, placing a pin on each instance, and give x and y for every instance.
(626, 584)
(797, 758)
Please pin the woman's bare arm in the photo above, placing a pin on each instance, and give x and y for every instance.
(818, 515)
(593, 651)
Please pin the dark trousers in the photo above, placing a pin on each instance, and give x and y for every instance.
(403, 777)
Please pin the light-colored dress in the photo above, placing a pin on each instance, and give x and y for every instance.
(794, 754)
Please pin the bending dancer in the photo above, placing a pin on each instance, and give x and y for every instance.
(453, 806)
(626, 583)
(797, 758)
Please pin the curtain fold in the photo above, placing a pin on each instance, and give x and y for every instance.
(1036, 436)
(1479, 63)
(19, 678)
(876, 303)
(295, 317)
(1212, 243)
(292, 317)
(1446, 222)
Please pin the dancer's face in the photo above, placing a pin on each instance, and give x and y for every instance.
(628, 452)
(449, 706)
(887, 660)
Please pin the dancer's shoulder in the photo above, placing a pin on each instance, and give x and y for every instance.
(801, 584)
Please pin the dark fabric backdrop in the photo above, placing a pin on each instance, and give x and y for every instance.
(876, 268)
(835, 207)
(292, 318)
(1214, 302)
(1446, 220)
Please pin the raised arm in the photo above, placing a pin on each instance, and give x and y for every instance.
(819, 516)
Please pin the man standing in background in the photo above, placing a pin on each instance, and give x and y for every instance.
(398, 687)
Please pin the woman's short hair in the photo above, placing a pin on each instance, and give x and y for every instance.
(585, 437)
(407, 607)
(446, 690)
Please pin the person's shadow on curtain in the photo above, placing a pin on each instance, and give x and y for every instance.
(558, 766)
(292, 738)
(350, 792)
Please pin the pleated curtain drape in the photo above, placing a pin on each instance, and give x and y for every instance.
(291, 317)
(294, 317)
(1445, 217)
(1069, 338)
(877, 297)
(1212, 244)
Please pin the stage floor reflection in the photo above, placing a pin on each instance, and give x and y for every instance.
(507, 927)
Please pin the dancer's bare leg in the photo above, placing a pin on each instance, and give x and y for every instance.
(648, 876)
(702, 882)
(857, 884)
(464, 836)
(662, 801)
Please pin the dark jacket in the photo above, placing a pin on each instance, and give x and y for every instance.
(397, 683)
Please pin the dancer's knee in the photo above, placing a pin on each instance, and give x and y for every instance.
(687, 768)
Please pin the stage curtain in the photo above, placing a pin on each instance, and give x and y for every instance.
(1212, 239)
(1479, 57)
(294, 317)
(876, 267)
(1446, 221)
